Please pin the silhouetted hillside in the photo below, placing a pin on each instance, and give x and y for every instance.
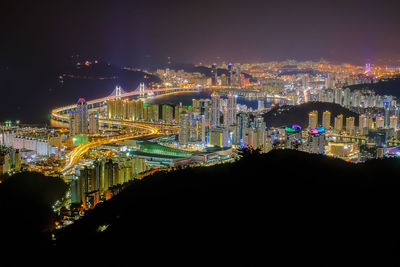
(285, 205)
(27, 217)
(289, 115)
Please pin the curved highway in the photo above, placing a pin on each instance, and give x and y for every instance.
(74, 156)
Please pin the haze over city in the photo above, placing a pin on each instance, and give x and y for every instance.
(143, 32)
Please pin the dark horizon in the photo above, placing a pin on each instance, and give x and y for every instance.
(139, 33)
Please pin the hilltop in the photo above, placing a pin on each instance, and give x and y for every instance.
(289, 115)
(277, 204)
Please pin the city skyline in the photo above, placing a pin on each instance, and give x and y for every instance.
(200, 125)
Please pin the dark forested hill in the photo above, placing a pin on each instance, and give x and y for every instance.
(289, 115)
(285, 205)
(27, 217)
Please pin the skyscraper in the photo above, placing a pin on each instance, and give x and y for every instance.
(177, 111)
(214, 75)
(231, 107)
(338, 123)
(393, 122)
(74, 123)
(387, 110)
(326, 120)
(238, 79)
(83, 115)
(242, 124)
(230, 74)
(328, 81)
(139, 110)
(379, 122)
(338, 96)
(350, 125)
(184, 120)
(347, 97)
(94, 123)
(215, 110)
(313, 119)
(167, 113)
(363, 124)
(316, 140)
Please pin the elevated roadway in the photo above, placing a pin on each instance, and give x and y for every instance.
(76, 154)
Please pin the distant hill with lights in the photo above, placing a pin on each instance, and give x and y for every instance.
(382, 87)
(203, 70)
(289, 115)
(105, 71)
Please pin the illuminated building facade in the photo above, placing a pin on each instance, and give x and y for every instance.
(350, 126)
(326, 120)
(313, 119)
(184, 129)
(393, 122)
(316, 140)
(338, 123)
(215, 110)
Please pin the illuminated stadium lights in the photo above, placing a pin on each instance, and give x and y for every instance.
(294, 128)
(318, 130)
(289, 129)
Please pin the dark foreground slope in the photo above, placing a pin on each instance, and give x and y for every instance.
(26, 214)
(284, 205)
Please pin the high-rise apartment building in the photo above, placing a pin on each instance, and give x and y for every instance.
(350, 125)
(184, 131)
(393, 122)
(316, 140)
(94, 123)
(338, 123)
(313, 119)
(326, 119)
(363, 124)
(215, 110)
(379, 122)
(231, 109)
(82, 111)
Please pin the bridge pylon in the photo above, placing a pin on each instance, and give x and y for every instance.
(117, 92)
(142, 89)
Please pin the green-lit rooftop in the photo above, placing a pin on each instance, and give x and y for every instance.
(156, 149)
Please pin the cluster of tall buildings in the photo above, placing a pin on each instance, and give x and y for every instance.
(103, 178)
(209, 121)
(347, 138)
(358, 99)
(234, 77)
(252, 132)
(136, 110)
(366, 123)
(83, 122)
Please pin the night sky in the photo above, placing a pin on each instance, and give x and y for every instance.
(136, 32)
